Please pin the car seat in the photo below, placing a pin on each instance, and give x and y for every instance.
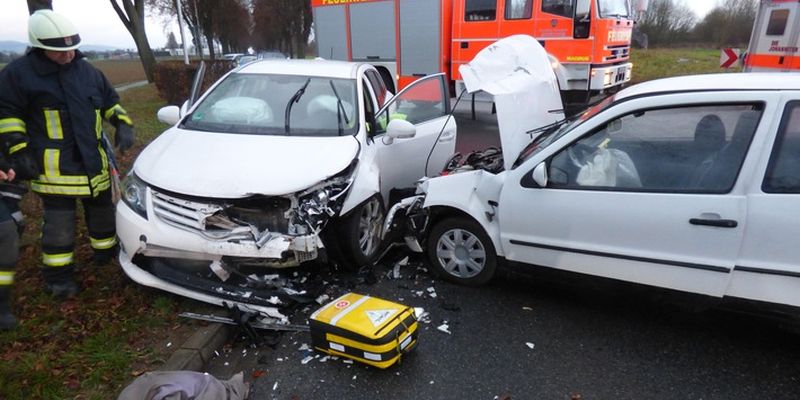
(718, 171)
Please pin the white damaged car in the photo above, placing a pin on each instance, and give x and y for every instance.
(688, 183)
(280, 162)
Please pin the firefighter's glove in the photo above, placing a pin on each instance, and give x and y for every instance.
(124, 137)
(24, 165)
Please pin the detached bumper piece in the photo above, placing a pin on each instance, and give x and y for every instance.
(367, 329)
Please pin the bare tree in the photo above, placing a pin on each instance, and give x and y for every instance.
(172, 44)
(34, 5)
(730, 23)
(283, 25)
(667, 22)
(132, 16)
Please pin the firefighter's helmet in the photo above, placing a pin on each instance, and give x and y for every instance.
(52, 31)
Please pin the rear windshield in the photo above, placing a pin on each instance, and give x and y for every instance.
(259, 104)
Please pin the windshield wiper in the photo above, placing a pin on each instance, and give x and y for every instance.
(340, 111)
(295, 98)
(548, 127)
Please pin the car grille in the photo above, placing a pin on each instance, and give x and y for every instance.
(238, 220)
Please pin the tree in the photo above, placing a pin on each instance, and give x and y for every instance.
(730, 23)
(34, 5)
(667, 21)
(132, 16)
(172, 44)
(283, 25)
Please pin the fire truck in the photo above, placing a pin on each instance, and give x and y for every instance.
(589, 41)
(775, 38)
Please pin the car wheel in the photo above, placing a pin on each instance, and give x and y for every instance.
(459, 251)
(362, 232)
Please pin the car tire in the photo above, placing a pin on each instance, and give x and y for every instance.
(459, 251)
(361, 233)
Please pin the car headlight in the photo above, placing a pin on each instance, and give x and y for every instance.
(133, 194)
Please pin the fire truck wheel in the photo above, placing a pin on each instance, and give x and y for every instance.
(459, 251)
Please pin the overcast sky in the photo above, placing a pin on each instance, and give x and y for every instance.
(98, 24)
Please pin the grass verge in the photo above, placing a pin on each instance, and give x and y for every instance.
(91, 346)
(649, 64)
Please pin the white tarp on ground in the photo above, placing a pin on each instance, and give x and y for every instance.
(516, 70)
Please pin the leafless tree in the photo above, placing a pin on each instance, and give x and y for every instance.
(131, 13)
(283, 25)
(667, 22)
(729, 24)
(34, 5)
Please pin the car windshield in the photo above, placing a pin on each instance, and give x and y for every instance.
(271, 104)
(613, 8)
(548, 134)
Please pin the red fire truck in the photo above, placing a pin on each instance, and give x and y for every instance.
(775, 38)
(589, 40)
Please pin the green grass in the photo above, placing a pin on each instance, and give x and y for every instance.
(661, 63)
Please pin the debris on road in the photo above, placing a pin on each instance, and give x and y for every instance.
(444, 328)
(530, 345)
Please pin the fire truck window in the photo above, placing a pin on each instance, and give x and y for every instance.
(558, 7)
(519, 9)
(480, 10)
(777, 22)
(783, 170)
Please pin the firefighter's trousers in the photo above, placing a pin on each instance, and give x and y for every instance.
(11, 223)
(59, 228)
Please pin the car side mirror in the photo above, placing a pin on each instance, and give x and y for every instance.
(399, 129)
(169, 115)
(540, 174)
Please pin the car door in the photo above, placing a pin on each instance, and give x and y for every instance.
(768, 267)
(424, 103)
(637, 193)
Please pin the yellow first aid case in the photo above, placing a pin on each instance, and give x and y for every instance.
(368, 329)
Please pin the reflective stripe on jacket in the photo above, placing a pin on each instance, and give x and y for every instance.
(59, 110)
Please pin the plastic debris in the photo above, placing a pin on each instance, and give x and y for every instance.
(432, 292)
(219, 270)
(322, 299)
(530, 345)
(527, 308)
(169, 344)
(324, 359)
(430, 383)
(347, 361)
(444, 328)
(304, 347)
(306, 360)
(275, 386)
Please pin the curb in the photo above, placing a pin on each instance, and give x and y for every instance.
(198, 349)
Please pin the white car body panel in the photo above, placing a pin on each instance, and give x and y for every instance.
(646, 236)
(224, 166)
(471, 193)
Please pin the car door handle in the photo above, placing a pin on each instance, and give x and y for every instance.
(448, 135)
(720, 223)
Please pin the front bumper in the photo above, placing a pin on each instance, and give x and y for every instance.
(606, 77)
(407, 221)
(209, 266)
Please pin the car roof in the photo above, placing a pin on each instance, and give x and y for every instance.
(714, 82)
(318, 67)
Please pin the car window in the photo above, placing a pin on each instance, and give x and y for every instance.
(777, 22)
(369, 110)
(558, 7)
(378, 85)
(259, 103)
(687, 149)
(783, 170)
(424, 100)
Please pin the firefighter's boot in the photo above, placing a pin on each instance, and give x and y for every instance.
(7, 319)
(60, 283)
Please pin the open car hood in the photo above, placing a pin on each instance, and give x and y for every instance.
(230, 166)
(517, 71)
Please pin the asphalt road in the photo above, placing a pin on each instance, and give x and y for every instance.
(537, 338)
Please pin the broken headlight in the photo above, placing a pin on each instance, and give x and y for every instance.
(133, 194)
(319, 204)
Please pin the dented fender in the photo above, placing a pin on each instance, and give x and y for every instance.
(475, 193)
(366, 183)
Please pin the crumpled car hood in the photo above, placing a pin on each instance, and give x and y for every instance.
(231, 166)
(517, 71)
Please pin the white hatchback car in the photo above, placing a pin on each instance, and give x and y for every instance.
(280, 161)
(689, 183)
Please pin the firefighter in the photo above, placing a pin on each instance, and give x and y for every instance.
(52, 103)
(11, 224)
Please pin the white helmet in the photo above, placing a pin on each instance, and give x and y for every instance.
(52, 31)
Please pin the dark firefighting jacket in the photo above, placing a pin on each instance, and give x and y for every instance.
(55, 112)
